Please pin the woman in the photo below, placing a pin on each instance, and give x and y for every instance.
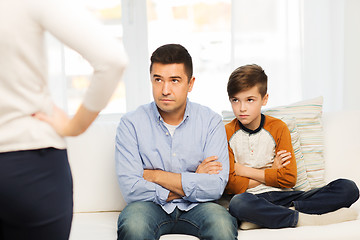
(35, 178)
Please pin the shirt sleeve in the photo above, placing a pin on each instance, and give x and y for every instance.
(129, 168)
(73, 25)
(286, 176)
(200, 187)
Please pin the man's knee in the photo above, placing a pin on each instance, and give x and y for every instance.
(134, 222)
(220, 224)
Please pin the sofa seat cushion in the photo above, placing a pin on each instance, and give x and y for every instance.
(102, 225)
(95, 226)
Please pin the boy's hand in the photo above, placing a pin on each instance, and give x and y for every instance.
(209, 166)
(280, 159)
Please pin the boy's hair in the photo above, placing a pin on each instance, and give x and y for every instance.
(173, 53)
(246, 77)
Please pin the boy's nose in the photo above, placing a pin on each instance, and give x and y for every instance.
(242, 107)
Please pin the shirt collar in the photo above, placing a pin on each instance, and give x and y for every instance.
(256, 130)
(158, 117)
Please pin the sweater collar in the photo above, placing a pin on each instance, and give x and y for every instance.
(257, 129)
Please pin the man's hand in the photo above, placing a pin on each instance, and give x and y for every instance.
(209, 166)
(168, 180)
(150, 175)
(280, 159)
(173, 196)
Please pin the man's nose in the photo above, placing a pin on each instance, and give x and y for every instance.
(166, 89)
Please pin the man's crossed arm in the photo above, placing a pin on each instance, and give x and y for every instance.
(172, 181)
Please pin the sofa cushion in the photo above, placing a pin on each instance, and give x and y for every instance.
(308, 115)
(91, 157)
(96, 226)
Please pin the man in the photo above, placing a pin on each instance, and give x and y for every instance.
(172, 159)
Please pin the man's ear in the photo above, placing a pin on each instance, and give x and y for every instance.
(191, 83)
(265, 99)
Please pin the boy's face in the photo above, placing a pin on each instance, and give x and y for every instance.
(246, 106)
(170, 88)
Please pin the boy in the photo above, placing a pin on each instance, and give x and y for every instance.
(263, 167)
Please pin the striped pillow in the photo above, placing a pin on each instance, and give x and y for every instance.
(302, 183)
(308, 121)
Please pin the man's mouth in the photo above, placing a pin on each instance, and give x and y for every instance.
(166, 100)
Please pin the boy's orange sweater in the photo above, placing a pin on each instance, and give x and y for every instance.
(281, 139)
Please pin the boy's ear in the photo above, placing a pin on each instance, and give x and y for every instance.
(265, 99)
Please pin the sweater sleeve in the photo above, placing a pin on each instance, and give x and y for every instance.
(236, 184)
(78, 29)
(286, 176)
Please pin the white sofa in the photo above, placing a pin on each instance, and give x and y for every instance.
(98, 201)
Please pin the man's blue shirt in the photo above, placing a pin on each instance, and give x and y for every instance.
(143, 142)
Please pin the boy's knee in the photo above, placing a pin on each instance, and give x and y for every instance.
(351, 191)
(240, 204)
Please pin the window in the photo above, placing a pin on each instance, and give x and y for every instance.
(220, 36)
(203, 27)
(70, 73)
(268, 33)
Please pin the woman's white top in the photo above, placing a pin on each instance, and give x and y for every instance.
(23, 66)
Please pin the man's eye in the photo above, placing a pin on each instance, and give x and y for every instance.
(175, 80)
(157, 80)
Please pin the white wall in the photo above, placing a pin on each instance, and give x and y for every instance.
(352, 54)
(331, 52)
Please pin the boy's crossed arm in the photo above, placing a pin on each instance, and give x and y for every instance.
(257, 176)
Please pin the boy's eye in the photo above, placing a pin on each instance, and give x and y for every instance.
(234, 100)
(250, 100)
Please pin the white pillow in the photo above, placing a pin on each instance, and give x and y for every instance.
(308, 115)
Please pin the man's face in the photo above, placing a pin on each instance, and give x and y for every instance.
(247, 105)
(170, 87)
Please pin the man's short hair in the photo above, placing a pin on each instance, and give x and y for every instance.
(246, 77)
(173, 53)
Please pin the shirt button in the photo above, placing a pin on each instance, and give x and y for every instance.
(167, 133)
